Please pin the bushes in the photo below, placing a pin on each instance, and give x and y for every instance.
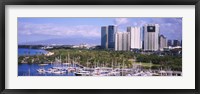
(107, 58)
(173, 62)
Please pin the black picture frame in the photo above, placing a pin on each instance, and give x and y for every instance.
(3, 3)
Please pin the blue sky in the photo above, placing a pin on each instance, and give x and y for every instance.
(49, 30)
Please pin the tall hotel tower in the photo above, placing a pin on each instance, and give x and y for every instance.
(104, 37)
(122, 41)
(118, 41)
(162, 42)
(111, 36)
(108, 36)
(151, 37)
(125, 41)
(135, 37)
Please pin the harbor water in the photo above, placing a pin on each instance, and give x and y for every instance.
(31, 70)
(26, 51)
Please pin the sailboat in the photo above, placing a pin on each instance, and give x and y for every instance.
(67, 60)
(41, 70)
(72, 67)
(59, 69)
(82, 73)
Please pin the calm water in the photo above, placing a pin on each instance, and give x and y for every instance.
(25, 51)
(31, 70)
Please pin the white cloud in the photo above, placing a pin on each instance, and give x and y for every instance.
(52, 29)
(139, 23)
(121, 21)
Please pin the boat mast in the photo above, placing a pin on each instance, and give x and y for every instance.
(87, 63)
(72, 61)
(97, 63)
(123, 68)
(112, 64)
(60, 59)
(150, 65)
(94, 64)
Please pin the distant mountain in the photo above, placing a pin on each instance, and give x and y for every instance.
(67, 41)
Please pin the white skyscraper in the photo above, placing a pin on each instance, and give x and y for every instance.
(125, 41)
(163, 42)
(122, 41)
(151, 37)
(135, 37)
(129, 41)
(118, 41)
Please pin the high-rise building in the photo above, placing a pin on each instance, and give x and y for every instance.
(162, 42)
(122, 41)
(176, 43)
(111, 36)
(104, 37)
(151, 35)
(169, 43)
(135, 37)
(129, 41)
(125, 41)
(118, 41)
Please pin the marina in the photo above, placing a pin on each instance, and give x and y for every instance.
(68, 65)
(76, 70)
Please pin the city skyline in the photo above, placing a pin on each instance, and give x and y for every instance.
(148, 38)
(86, 30)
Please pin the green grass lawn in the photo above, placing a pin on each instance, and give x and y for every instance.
(147, 64)
(143, 64)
